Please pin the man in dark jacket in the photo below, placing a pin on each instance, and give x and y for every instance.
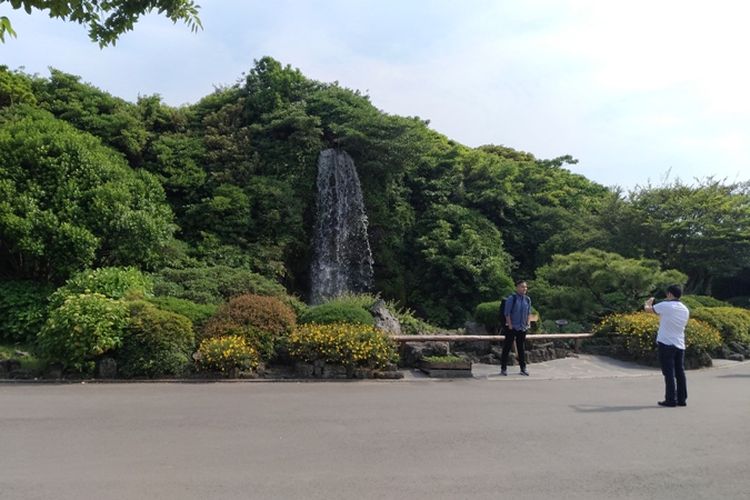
(516, 313)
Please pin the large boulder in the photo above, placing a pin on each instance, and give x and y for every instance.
(384, 319)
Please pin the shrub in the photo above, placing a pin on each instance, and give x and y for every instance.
(639, 333)
(740, 301)
(227, 354)
(696, 301)
(111, 282)
(550, 326)
(410, 324)
(337, 311)
(217, 284)
(350, 345)
(732, 322)
(155, 342)
(488, 314)
(83, 327)
(23, 309)
(264, 322)
(197, 313)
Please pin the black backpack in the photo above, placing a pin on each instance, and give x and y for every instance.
(503, 327)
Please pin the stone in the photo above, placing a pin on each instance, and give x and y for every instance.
(304, 370)
(106, 368)
(384, 319)
(411, 352)
(735, 356)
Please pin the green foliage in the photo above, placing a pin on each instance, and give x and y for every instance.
(155, 343)
(336, 311)
(740, 301)
(450, 358)
(66, 202)
(227, 355)
(638, 331)
(264, 322)
(584, 286)
(549, 326)
(23, 310)
(350, 345)
(489, 315)
(198, 314)
(732, 322)
(462, 250)
(696, 301)
(214, 284)
(702, 230)
(106, 21)
(111, 282)
(15, 88)
(84, 327)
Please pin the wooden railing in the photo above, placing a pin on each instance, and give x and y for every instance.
(578, 337)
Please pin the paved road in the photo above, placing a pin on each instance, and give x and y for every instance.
(585, 438)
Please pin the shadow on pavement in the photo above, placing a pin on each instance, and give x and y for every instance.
(610, 409)
(735, 375)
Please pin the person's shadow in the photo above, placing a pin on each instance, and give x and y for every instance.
(610, 409)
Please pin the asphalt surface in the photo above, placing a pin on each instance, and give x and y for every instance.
(594, 433)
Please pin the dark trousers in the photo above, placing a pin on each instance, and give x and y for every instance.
(520, 338)
(672, 362)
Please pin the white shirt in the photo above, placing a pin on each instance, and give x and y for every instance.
(673, 317)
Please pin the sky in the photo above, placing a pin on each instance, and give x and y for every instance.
(640, 92)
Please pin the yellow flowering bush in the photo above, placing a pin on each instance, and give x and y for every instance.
(225, 354)
(346, 344)
(638, 331)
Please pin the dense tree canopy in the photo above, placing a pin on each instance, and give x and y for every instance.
(90, 179)
(67, 202)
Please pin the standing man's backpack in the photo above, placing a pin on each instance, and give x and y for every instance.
(503, 326)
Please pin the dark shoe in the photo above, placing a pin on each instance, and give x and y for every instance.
(524, 372)
(504, 372)
(681, 404)
(668, 404)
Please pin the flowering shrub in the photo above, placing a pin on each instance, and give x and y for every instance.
(639, 333)
(83, 327)
(732, 322)
(263, 322)
(227, 354)
(346, 344)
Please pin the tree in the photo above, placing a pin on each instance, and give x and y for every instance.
(458, 262)
(106, 20)
(702, 230)
(67, 202)
(584, 286)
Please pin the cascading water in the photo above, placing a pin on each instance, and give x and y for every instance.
(342, 260)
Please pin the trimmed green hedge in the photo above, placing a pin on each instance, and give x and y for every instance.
(732, 322)
(197, 313)
(155, 342)
(337, 312)
(696, 301)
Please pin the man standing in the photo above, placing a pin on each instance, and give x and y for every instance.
(670, 342)
(516, 312)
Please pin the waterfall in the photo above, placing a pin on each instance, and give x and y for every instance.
(342, 260)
